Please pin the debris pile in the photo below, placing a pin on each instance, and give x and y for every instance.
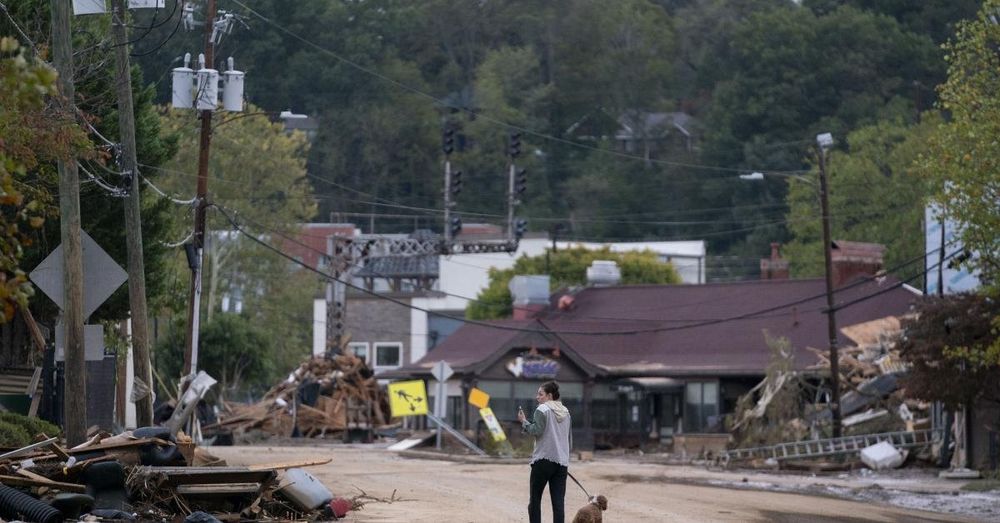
(323, 397)
(789, 407)
(871, 399)
(149, 475)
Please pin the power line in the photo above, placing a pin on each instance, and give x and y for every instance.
(267, 246)
(491, 119)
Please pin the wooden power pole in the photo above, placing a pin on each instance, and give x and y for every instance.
(831, 315)
(191, 346)
(75, 391)
(133, 217)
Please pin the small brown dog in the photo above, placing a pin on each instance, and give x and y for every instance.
(591, 512)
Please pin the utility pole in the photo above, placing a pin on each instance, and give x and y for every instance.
(194, 301)
(336, 294)
(133, 217)
(75, 391)
(823, 141)
(513, 150)
(448, 147)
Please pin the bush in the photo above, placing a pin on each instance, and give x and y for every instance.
(13, 435)
(33, 426)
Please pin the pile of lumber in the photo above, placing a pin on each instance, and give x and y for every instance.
(868, 372)
(148, 475)
(873, 354)
(324, 396)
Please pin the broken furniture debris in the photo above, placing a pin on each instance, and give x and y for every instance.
(323, 397)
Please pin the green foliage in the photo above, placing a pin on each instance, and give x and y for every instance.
(962, 159)
(266, 188)
(788, 74)
(102, 213)
(567, 267)
(13, 435)
(935, 18)
(32, 426)
(234, 350)
(30, 134)
(876, 195)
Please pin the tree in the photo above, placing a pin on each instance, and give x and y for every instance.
(567, 267)
(953, 345)
(256, 172)
(30, 135)
(234, 350)
(876, 195)
(102, 211)
(790, 74)
(962, 159)
(935, 18)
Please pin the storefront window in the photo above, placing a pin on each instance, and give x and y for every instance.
(604, 409)
(701, 407)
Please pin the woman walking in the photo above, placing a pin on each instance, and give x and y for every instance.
(551, 427)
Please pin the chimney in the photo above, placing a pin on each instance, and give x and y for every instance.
(531, 295)
(775, 267)
(854, 259)
(603, 273)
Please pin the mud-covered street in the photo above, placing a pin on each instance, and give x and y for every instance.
(434, 490)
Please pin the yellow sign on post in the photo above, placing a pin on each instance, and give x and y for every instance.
(407, 398)
(479, 398)
(493, 424)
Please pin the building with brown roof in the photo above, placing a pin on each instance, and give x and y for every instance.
(648, 362)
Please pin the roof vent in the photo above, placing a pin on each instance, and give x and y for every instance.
(603, 273)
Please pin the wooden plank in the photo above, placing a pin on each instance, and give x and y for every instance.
(221, 489)
(203, 475)
(290, 464)
(119, 445)
(59, 451)
(23, 450)
(19, 481)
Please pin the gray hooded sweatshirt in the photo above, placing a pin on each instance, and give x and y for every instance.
(554, 443)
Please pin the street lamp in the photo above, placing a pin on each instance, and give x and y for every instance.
(824, 142)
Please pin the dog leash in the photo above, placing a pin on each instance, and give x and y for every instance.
(578, 484)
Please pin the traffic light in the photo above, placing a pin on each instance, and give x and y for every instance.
(456, 183)
(514, 147)
(521, 182)
(455, 225)
(520, 227)
(448, 141)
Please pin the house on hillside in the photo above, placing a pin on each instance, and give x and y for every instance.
(660, 363)
(654, 134)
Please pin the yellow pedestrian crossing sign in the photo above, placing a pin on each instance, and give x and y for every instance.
(407, 398)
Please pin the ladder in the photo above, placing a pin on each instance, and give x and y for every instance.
(833, 446)
(458, 435)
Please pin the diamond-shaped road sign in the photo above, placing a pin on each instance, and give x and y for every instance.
(442, 371)
(101, 275)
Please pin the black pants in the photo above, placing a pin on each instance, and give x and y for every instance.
(544, 471)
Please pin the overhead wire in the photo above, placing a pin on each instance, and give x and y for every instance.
(235, 224)
(27, 39)
(165, 40)
(477, 300)
(487, 117)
